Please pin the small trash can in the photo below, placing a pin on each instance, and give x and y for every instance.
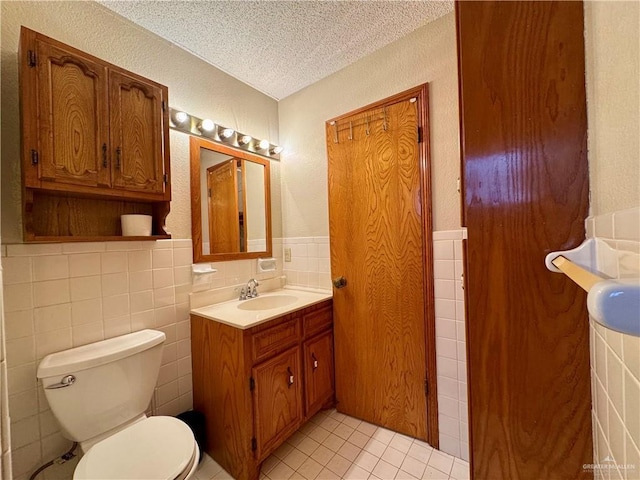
(195, 421)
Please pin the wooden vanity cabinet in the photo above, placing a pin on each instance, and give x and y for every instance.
(257, 386)
(94, 137)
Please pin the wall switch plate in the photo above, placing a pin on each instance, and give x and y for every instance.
(287, 254)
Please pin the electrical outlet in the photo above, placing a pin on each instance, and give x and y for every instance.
(287, 254)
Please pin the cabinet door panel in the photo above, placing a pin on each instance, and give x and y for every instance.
(276, 401)
(72, 120)
(318, 370)
(136, 134)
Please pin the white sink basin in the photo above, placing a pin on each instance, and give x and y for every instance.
(267, 303)
(272, 304)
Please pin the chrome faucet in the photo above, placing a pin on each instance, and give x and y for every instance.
(251, 288)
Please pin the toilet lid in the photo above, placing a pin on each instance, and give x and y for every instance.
(154, 448)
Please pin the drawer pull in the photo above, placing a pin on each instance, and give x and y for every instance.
(315, 361)
(290, 381)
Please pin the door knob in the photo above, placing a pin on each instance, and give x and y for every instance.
(339, 282)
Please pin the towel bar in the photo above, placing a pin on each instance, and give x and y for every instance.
(614, 303)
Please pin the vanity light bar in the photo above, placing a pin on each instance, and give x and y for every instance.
(204, 127)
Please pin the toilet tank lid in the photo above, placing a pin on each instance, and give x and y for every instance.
(98, 353)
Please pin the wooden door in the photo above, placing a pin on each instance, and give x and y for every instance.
(71, 123)
(222, 186)
(378, 215)
(524, 132)
(318, 371)
(277, 401)
(137, 133)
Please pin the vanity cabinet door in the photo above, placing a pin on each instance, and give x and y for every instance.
(318, 370)
(277, 402)
(137, 133)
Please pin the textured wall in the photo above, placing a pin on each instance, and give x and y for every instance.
(194, 86)
(612, 44)
(426, 55)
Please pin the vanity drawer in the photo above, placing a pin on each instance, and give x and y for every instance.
(272, 340)
(317, 321)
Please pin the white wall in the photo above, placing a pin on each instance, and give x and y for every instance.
(612, 44)
(426, 55)
(615, 357)
(194, 86)
(5, 419)
(612, 51)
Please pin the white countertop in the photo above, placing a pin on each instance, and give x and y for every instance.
(232, 313)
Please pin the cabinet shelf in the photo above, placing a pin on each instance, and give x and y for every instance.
(106, 238)
(66, 218)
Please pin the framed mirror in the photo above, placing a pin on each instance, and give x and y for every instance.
(230, 203)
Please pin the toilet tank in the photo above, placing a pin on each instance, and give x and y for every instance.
(114, 382)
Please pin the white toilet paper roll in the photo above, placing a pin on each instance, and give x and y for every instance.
(136, 225)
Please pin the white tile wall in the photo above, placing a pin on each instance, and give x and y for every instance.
(310, 264)
(5, 433)
(615, 357)
(450, 343)
(59, 296)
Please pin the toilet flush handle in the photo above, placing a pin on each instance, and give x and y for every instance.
(66, 381)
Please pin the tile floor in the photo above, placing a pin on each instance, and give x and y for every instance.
(334, 446)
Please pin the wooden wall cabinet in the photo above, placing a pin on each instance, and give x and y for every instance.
(95, 144)
(258, 386)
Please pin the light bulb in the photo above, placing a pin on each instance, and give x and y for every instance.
(263, 145)
(275, 150)
(227, 133)
(180, 118)
(244, 140)
(207, 125)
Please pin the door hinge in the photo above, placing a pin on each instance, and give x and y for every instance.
(34, 157)
(426, 387)
(419, 134)
(254, 444)
(165, 177)
(209, 192)
(31, 58)
(252, 384)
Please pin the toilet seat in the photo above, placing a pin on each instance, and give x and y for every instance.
(154, 448)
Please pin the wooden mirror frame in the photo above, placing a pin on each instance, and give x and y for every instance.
(195, 144)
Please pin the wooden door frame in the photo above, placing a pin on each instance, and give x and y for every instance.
(421, 93)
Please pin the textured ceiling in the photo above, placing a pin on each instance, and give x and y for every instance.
(280, 47)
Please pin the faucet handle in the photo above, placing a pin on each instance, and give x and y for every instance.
(243, 294)
(251, 288)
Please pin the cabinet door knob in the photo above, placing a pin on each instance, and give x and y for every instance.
(315, 361)
(290, 381)
(118, 154)
(340, 282)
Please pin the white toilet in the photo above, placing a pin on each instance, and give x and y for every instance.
(99, 394)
